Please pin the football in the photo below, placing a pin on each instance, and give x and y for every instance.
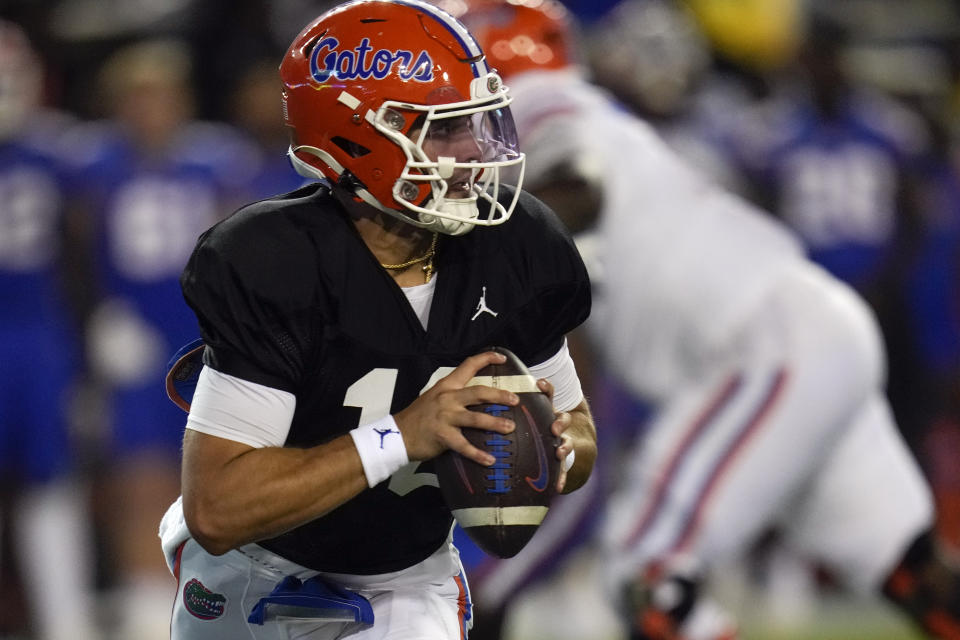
(500, 507)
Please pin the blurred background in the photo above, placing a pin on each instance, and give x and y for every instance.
(129, 126)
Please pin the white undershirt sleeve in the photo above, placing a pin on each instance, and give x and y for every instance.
(240, 410)
(562, 374)
(229, 407)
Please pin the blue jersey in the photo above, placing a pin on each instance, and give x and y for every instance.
(838, 182)
(146, 212)
(31, 208)
(38, 344)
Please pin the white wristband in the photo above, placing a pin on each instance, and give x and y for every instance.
(568, 461)
(381, 449)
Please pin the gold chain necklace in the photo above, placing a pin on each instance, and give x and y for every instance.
(426, 258)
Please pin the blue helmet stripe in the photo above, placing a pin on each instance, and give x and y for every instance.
(456, 29)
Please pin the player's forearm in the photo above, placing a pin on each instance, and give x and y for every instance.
(256, 494)
(583, 434)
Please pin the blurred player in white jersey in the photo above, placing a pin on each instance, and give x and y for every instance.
(766, 374)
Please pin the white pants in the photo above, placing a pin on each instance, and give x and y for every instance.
(428, 601)
(787, 425)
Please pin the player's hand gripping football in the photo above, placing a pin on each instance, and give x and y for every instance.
(559, 427)
(431, 424)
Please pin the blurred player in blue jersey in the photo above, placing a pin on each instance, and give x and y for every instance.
(151, 180)
(39, 357)
(834, 160)
(840, 163)
(856, 174)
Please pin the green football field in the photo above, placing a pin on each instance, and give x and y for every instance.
(836, 619)
(865, 627)
(840, 620)
(573, 607)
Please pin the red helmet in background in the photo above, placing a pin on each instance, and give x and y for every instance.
(519, 35)
(368, 83)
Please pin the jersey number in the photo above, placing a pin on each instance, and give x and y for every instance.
(373, 395)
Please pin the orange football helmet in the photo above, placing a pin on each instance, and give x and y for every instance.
(371, 85)
(519, 35)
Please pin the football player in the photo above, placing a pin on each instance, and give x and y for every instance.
(846, 167)
(764, 372)
(39, 356)
(152, 178)
(341, 323)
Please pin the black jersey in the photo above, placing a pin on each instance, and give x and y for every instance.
(287, 295)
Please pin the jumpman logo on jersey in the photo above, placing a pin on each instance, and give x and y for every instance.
(482, 306)
(384, 433)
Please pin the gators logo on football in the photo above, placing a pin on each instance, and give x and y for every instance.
(201, 602)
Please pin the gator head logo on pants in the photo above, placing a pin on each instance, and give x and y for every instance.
(201, 602)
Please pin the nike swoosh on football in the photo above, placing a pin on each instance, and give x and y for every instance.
(458, 463)
(540, 482)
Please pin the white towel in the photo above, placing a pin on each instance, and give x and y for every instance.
(173, 532)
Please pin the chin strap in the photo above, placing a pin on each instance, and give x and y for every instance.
(461, 208)
(308, 170)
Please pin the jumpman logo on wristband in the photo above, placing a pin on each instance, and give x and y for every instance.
(384, 433)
